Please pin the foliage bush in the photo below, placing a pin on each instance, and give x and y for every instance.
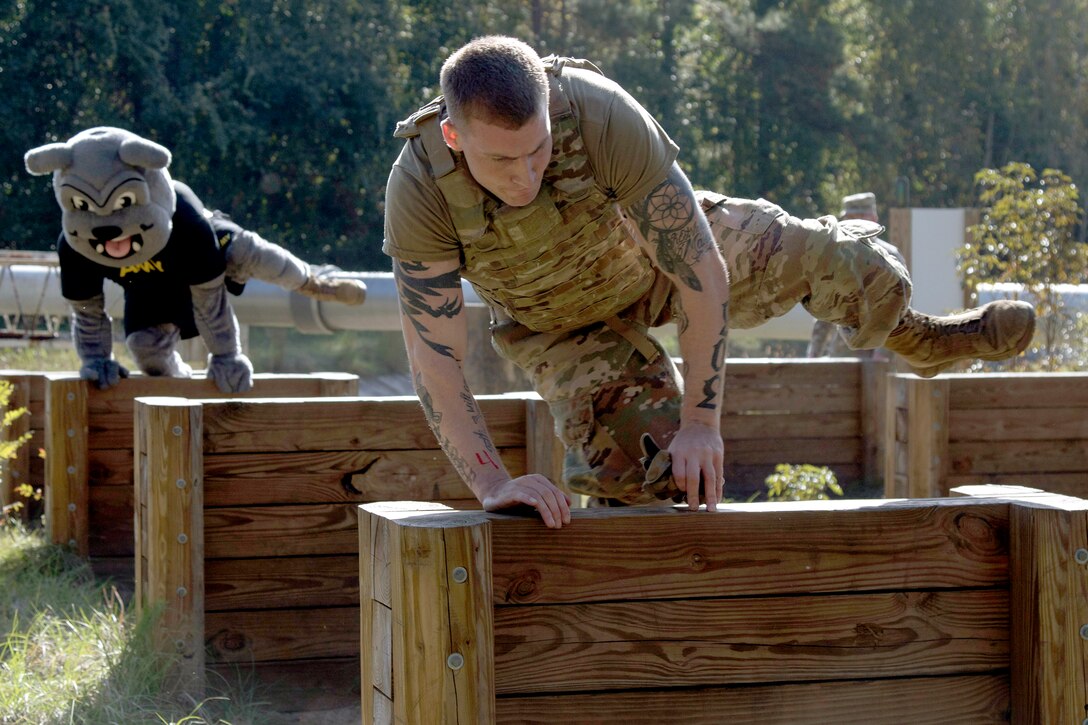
(803, 482)
(1027, 236)
(9, 448)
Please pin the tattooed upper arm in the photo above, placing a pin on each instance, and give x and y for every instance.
(429, 295)
(669, 219)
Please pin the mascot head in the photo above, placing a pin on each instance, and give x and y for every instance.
(114, 192)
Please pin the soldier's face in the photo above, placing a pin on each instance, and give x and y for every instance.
(509, 163)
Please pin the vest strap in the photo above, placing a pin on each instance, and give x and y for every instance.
(438, 153)
(640, 340)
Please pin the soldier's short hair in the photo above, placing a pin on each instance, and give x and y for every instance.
(496, 79)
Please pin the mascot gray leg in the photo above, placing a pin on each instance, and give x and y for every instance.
(93, 337)
(231, 370)
(155, 351)
(249, 256)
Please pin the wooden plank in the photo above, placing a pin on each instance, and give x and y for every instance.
(111, 466)
(266, 531)
(1069, 484)
(299, 686)
(769, 372)
(118, 399)
(979, 700)
(66, 492)
(342, 424)
(832, 546)
(750, 640)
(792, 425)
(283, 582)
(171, 531)
(823, 451)
(1014, 424)
(277, 635)
(1053, 456)
(806, 400)
(109, 412)
(1049, 609)
(110, 527)
(1018, 390)
(238, 479)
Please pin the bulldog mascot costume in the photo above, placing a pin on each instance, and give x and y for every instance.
(124, 219)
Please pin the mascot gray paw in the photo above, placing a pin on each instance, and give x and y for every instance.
(102, 370)
(232, 373)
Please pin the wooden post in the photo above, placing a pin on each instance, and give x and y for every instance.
(543, 449)
(916, 440)
(436, 568)
(1049, 609)
(66, 476)
(170, 530)
(895, 474)
(874, 381)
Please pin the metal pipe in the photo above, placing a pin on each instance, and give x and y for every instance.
(34, 290)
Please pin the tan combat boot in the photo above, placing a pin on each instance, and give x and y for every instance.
(329, 288)
(995, 331)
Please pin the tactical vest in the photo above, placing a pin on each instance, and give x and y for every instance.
(561, 262)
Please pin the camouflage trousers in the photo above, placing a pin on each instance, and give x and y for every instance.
(609, 382)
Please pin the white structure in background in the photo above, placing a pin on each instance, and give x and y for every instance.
(935, 236)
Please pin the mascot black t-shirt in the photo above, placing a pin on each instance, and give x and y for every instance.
(157, 291)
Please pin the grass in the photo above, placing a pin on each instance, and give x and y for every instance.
(74, 652)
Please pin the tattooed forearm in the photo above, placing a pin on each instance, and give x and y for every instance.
(433, 417)
(423, 297)
(486, 457)
(477, 415)
(666, 218)
(434, 420)
(717, 364)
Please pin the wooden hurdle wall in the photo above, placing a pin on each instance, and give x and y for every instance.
(1017, 428)
(247, 524)
(954, 610)
(826, 411)
(89, 466)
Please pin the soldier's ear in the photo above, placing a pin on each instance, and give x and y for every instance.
(451, 135)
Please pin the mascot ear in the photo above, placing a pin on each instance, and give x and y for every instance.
(47, 159)
(144, 154)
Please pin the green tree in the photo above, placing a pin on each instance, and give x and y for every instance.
(1027, 236)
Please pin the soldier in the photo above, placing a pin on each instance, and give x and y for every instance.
(559, 198)
(824, 341)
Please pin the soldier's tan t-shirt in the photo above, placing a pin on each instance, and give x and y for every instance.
(629, 151)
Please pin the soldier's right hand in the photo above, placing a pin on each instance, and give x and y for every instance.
(535, 490)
